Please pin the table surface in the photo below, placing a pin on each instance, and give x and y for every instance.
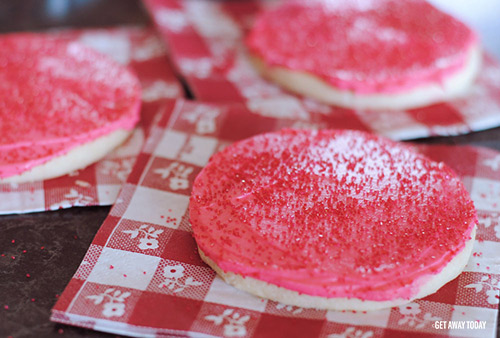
(48, 247)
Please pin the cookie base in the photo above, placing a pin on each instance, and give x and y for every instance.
(289, 297)
(310, 85)
(77, 158)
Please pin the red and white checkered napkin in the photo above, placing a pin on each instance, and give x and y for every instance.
(206, 42)
(99, 184)
(142, 275)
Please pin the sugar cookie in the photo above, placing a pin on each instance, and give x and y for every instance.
(63, 106)
(370, 54)
(331, 219)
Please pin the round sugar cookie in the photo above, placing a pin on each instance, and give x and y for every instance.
(63, 106)
(331, 219)
(370, 54)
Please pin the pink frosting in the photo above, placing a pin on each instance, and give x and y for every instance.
(330, 213)
(372, 46)
(56, 95)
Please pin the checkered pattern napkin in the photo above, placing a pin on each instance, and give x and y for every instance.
(206, 42)
(100, 183)
(142, 275)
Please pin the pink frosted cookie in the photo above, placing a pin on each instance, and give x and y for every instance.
(370, 54)
(62, 106)
(331, 219)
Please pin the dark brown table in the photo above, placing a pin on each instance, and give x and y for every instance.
(49, 246)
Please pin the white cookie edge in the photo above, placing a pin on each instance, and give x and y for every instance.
(289, 297)
(310, 85)
(77, 158)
